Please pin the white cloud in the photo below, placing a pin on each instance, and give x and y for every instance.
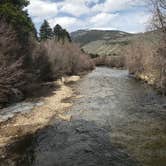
(103, 28)
(144, 18)
(90, 14)
(42, 9)
(114, 5)
(103, 19)
(74, 9)
(131, 22)
(65, 22)
(77, 7)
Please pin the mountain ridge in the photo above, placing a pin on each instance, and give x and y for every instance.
(84, 36)
(108, 42)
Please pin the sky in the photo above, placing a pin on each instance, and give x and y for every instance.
(125, 15)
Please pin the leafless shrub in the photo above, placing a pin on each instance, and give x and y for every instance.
(9, 45)
(11, 73)
(134, 56)
(161, 52)
(66, 58)
(41, 66)
(158, 9)
(12, 78)
(146, 60)
(115, 61)
(20, 65)
(100, 61)
(110, 61)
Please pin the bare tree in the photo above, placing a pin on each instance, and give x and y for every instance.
(159, 22)
(66, 58)
(158, 9)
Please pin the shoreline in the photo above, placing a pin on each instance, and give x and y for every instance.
(23, 124)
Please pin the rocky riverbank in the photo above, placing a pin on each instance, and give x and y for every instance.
(28, 123)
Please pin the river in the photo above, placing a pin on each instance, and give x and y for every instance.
(117, 121)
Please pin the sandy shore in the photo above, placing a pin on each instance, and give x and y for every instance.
(40, 116)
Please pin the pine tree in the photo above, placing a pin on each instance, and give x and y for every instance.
(61, 34)
(66, 36)
(45, 31)
(17, 3)
(12, 12)
(58, 32)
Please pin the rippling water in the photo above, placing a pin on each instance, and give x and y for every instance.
(117, 122)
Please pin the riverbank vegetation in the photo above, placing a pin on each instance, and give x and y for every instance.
(143, 54)
(110, 61)
(113, 60)
(146, 60)
(26, 60)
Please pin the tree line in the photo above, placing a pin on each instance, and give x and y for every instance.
(26, 59)
(57, 33)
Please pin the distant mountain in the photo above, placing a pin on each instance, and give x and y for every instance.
(86, 36)
(102, 42)
(107, 42)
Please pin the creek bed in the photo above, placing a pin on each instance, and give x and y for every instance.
(118, 121)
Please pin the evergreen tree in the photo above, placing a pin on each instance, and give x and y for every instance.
(66, 36)
(12, 12)
(17, 3)
(45, 31)
(61, 34)
(58, 32)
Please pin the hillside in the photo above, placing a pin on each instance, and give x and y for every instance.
(86, 36)
(107, 42)
(101, 41)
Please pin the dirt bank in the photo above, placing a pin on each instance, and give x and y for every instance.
(40, 116)
(153, 79)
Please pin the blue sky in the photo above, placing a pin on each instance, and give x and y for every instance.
(125, 15)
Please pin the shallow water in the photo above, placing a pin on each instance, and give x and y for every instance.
(22, 107)
(118, 121)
